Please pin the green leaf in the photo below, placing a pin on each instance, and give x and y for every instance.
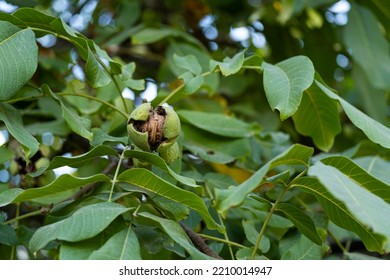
(34, 18)
(361, 203)
(318, 117)
(192, 83)
(252, 234)
(150, 35)
(216, 123)
(229, 66)
(146, 179)
(8, 196)
(360, 176)
(121, 246)
(100, 137)
(209, 83)
(18, 58)
(76, 161)
(374, 130)
(175, 231)
(80, 250)
(368, 45)
(359, 256)
(285, 82)
(212, 147)
(8, 235)
(159, 162)
(78, 124)
(14, 123)
(5, 154)
(302, 221)
(188, 62)
(83, 224)
(95, 72)
(372, 100)
(375, 166)
(340, 214)
(235, 195)
(62, 184)
(302, 248)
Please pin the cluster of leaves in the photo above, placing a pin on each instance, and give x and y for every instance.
(250, 181)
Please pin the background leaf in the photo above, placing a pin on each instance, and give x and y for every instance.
(18, 58)
(83, 224)
(175, 231)
(303, 222)
(318, 117)
(374, 130)
(14, 123)
(285, 82)
(369, 47)
(216, 123)
(301, 248)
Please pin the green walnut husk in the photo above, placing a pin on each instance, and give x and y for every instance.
(155, 130)
(171, 154)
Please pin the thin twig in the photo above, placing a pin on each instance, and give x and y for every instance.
(199, 242)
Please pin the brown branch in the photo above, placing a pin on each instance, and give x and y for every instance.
(199, 242)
